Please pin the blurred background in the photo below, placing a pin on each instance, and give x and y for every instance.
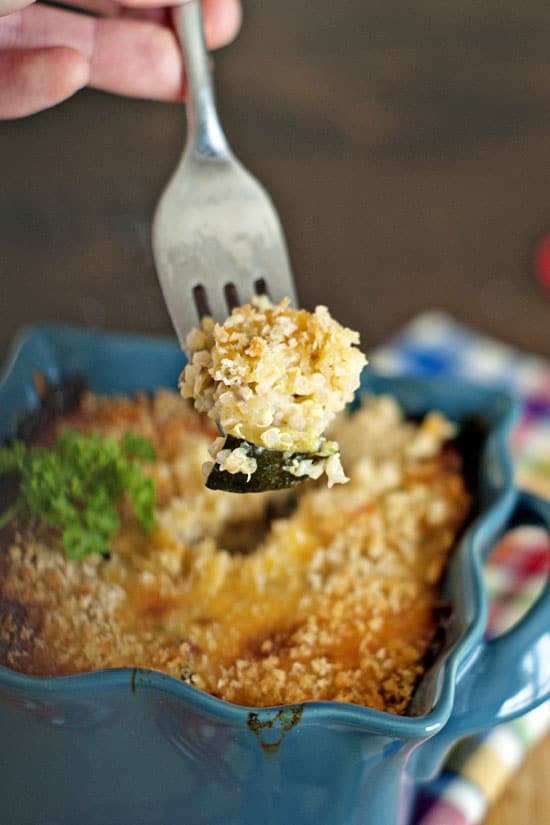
(407, 147)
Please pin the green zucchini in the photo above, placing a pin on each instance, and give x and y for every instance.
(273, 468)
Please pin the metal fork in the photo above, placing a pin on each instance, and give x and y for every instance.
(217, 239)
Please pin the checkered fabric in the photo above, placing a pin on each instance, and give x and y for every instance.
(434, 344)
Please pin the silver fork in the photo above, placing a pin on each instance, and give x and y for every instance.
(217, 239)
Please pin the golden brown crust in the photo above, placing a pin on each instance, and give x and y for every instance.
(274, 376)
(337, 601)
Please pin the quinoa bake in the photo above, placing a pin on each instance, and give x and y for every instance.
(273, 378)
(259, 599)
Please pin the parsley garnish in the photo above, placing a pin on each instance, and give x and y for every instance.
(76, 487)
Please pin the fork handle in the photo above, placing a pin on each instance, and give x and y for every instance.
(205, 136)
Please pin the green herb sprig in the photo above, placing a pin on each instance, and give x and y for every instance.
(76, 487)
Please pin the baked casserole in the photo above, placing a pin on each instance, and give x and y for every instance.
(259, 599)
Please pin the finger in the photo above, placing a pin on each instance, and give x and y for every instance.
(9, 6)
(222, 18)
(138, 59)
(222, 21)
(37, 79)
(107, 8)
(129, 57)
(110, 8)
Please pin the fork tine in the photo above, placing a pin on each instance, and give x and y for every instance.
(184, 317)
(277, 291)
(217, 303)
(279, 283)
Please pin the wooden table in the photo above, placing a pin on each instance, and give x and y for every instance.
(527, 798)
(407, 147)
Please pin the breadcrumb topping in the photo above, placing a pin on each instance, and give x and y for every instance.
(276, 377)
(335, 600)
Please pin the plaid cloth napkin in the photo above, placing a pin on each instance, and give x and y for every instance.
(479, 767)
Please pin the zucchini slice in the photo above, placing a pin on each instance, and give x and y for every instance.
(273, 468)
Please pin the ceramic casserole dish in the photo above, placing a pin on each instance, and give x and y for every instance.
(136, 747)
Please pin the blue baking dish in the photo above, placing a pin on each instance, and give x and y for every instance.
(135, 747)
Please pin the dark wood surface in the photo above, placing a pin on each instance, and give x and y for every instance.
(407, 147)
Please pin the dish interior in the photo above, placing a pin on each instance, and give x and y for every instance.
(119, 364)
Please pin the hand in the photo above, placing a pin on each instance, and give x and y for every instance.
(129, 47)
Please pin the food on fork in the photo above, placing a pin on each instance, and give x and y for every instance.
(272, 378)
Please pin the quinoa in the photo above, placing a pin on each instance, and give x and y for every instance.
(274, 376)
(335, 600)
